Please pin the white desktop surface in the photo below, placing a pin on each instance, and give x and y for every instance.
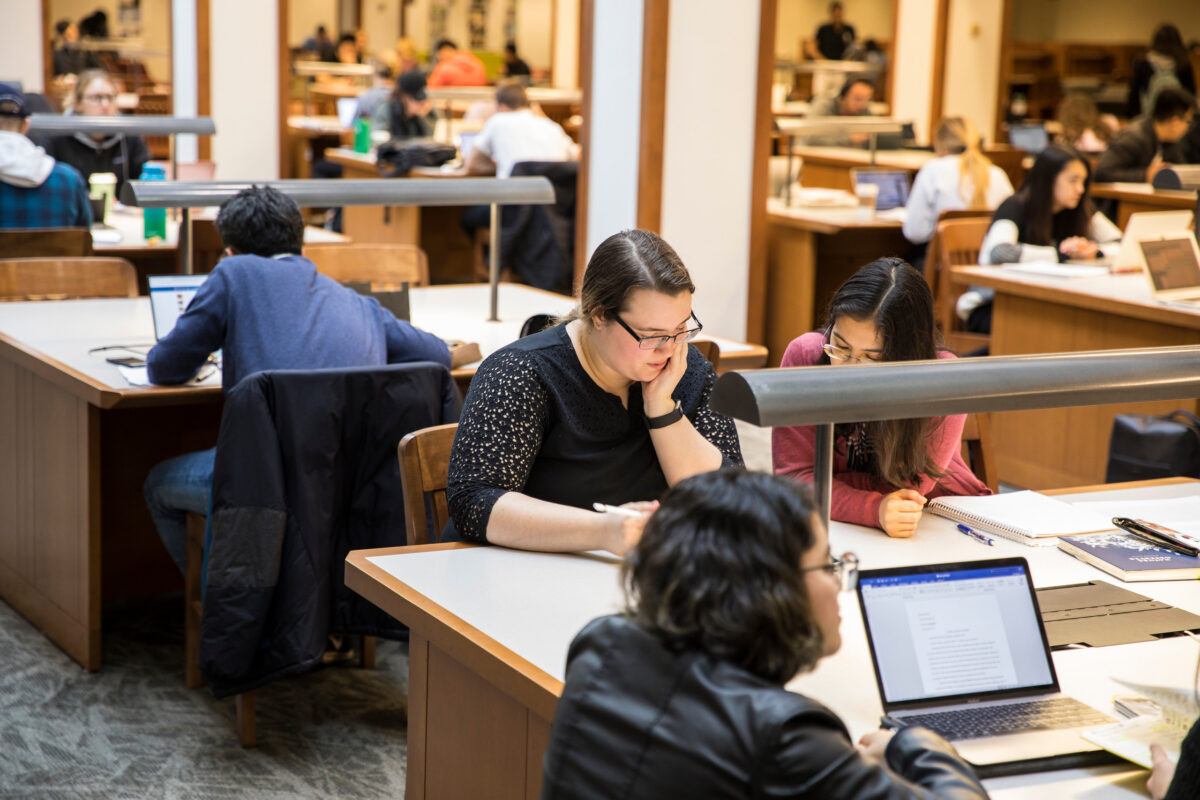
(65, 330)
(534, 603)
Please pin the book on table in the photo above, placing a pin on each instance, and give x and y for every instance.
(1027, 517)
(1130, 559)
(1132, 738)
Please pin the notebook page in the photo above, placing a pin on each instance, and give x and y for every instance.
(1132, 738)
(1025, 513)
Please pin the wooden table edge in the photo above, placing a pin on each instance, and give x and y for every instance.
(521, 679)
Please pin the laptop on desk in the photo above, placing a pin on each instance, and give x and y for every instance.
(893, 186)
(169, 298)
(1028, 136)
(1148, 225)
(1173, 268)
(961, 649)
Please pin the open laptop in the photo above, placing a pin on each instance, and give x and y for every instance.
(893, 186)
(961, 649)
(1028, 136)
(466, 140)
(347, 107)
(1148, 225)
(169, 298)
(1173, 268)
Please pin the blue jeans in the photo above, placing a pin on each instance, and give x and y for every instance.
(175, 487)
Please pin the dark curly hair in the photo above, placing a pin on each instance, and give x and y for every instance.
(261, 221)
(718, 569)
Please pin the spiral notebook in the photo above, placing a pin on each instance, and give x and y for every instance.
(1027, 517)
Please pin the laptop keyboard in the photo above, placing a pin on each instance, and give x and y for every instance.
(978, 721)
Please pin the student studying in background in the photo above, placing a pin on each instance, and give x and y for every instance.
(1137, 153)
(610, 406)
(1166, 64)
(960, 177)
(853, 100)
(35, 190)
(265, 307)
(1050, 218)
(1083, 126)
(883, 472)
(124, 155)
(456, 67)
(731, 592)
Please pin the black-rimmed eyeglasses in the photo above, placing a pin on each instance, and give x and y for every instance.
(655, 342)
(845, 569)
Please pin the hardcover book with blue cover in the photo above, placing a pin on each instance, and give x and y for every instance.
(1124, 557)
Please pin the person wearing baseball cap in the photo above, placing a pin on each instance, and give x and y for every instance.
(35, 190)
(408, 113)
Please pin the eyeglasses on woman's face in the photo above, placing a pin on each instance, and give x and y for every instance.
(845, 569)
(655, 342)
(846, 356)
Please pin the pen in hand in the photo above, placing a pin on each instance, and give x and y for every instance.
(603, 508)
(976, 535)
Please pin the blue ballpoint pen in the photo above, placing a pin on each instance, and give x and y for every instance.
(974, 534)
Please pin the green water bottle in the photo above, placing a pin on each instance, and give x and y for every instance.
(154, 220)
(362, 135)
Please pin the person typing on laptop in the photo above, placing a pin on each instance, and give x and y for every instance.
(265, 307)
(731, 591)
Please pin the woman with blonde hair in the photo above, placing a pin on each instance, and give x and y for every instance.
(960, 177)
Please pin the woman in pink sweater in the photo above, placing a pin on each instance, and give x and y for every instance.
(883, 472)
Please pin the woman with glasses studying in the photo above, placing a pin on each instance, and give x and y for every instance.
(609, 406)
(883, 472)
(731, 592)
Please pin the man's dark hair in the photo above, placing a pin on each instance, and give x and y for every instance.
(261, 221)
(445, 43)
(61, 26)
(321, 30)
(718, 570)
(835, 6)
(851, 81)
(1172, 102)
(511, 47)
(347, 37)
(511, 94)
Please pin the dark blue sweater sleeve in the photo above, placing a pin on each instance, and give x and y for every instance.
(199, 331)
(408, 343)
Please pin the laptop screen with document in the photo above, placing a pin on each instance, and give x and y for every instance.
(893, 186)
(949, 632)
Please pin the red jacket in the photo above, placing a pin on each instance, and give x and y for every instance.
(856, 495)
(460, 69)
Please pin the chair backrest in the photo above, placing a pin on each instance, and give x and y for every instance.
(959, 241)
(710, 350)
(933, 253)
(377, 264)
(977, 439)
(45, 242)
(424, 467)
(63, 278)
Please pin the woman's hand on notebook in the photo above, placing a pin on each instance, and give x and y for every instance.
(900, 512)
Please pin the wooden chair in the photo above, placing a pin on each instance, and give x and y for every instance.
(710, 350)
(46, 242)
(933, 255)
(979, 455)
(193, 617)
(63, 278)
(424, 467)
(959, 243)
(378, 264)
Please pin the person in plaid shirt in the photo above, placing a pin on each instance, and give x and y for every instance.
(35, 190)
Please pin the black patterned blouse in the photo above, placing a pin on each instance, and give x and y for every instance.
(535, 422)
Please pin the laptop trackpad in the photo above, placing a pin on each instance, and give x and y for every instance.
(1019, 747)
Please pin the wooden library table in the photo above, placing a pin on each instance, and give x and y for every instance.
(810, 252)
(1038, 314)
(78, 442)
(307, 139)
(490, 628)
(1133, 198)
(830, 167)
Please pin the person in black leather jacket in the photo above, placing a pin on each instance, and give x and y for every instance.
(732, 591)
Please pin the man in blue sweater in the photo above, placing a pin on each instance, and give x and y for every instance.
(265, 307)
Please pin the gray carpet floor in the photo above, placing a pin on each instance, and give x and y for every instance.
(132, 730)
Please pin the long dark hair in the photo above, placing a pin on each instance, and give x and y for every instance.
(893, 295)
(1037, 195)
(718, 569)
(1168, 41)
